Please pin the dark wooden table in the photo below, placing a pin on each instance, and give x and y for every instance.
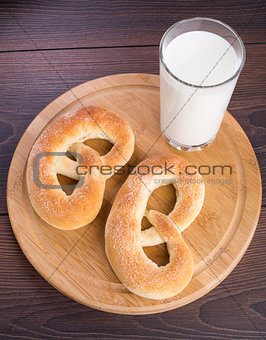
(87, 39)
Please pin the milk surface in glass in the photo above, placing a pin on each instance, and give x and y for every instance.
(191, 115)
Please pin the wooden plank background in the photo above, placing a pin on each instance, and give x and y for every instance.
(84, 40)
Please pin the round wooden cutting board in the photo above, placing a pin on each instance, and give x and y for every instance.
(74, 261)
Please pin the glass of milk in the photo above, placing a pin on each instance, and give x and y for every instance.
(200, 61)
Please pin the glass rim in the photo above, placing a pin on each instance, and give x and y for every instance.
(236, 35)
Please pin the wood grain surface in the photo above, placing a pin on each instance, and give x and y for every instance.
(30, 308)
(72, 260)
(105, 23)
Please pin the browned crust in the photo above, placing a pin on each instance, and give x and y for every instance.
(123, 231)
(82, 206)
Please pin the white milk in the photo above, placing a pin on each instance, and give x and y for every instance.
(190, 57)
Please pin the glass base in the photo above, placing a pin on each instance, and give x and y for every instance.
(189, 148)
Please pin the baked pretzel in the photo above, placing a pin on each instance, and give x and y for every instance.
(124, 239)
(67, 134)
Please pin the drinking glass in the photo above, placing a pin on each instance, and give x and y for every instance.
(191, 114)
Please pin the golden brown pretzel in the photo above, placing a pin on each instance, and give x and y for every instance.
(68, 134)
(124, 239)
